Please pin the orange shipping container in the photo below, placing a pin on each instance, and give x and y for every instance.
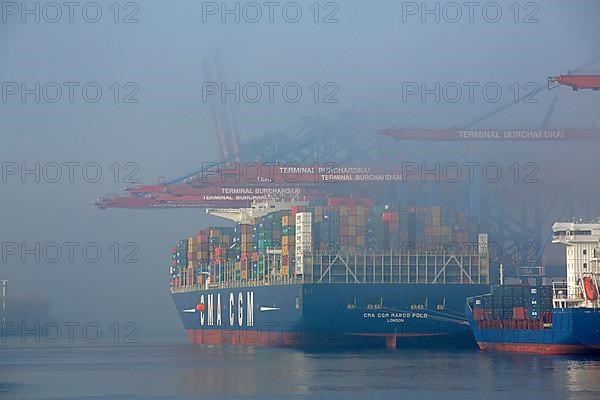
(519, 313)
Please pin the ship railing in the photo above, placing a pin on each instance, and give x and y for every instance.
(291, 280)
(561, 297)
(397, 267)
(362, 268)
(560, 237)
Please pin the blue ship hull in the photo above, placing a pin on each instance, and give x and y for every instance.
(329, 315)
(572, 330)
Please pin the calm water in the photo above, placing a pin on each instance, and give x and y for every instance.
(180, 371)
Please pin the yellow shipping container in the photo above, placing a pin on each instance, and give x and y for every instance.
(285, 220)
(285, 270)
(244, 275)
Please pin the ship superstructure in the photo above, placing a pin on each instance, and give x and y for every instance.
(582, 242)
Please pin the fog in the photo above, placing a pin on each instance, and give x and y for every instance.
(156, 117)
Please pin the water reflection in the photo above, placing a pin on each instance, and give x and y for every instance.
(187, 371)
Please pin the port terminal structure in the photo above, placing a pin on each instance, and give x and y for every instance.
(536, 188)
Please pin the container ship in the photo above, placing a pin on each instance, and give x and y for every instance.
(562, 318)
(343, 272)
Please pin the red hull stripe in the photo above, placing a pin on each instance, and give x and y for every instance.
(257, 338)
(242, 337)
(396, 334)
(536, 348)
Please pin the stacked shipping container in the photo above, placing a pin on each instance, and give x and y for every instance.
(280, 240)
(288, 243)
(304, 239)
(514, 307)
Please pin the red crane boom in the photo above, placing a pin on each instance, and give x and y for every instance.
(577, 81)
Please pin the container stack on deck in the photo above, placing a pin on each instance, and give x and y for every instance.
(304, 239)
(279, 240)
(288, 242)
(514, 307)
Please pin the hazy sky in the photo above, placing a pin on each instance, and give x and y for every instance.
(368, 55)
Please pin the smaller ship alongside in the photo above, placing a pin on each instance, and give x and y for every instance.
(563, 318)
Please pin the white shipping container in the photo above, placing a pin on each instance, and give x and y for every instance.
(304, 235)
(303, 248)
(300, 227)
(304, 245)
(303, 241)
(299, 267)
(304, 217)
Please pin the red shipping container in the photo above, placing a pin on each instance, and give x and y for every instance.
(298, 209)
(519, 313)
(389, 216)
(478, 314)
